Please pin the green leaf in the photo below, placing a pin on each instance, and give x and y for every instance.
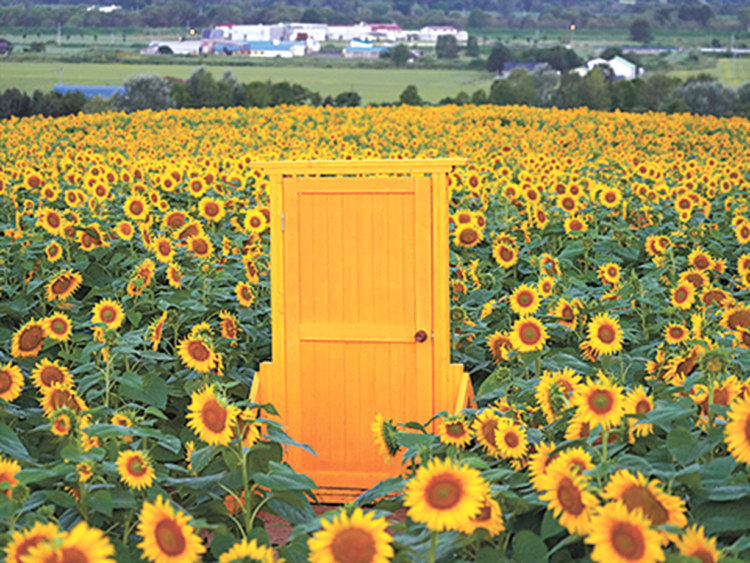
(61, 499)
(11, 445)
(550, 526)
(101, 501)
(278, 435)
(729, 492)
(529, 548)
(488, 555)
(722, 517)
(155, 390)
(283, 478)
(34, 475)
(384, 488)
(683, 445)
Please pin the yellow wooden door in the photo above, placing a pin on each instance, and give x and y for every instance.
(357, 307)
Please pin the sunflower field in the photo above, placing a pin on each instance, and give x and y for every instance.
(600, 299)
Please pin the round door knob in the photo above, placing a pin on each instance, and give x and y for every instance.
(420, 336)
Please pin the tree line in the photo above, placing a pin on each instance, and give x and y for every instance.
(528, 14)
(543, 88)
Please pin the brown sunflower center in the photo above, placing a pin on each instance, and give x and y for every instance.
(576, 225)
(444, 492)
(175, 220)
(704, 555)
(136, 207)
(6, 381)
(136, 467)
(739, 319)
(506, 253)
(53, 220)
(108, 314)
(200, 246)
(353, 545)
(569, 497)
(165, 248)
(640, 497)
(61, 284)
(169, 537)
(198, 351)
(530, 333)
(211, 209)
(721, 396)
(31, 338)
(567, 313)
(701, 262)
(246, 294)
(642, 407)
(606, 334)
(455, 429)
(680, 295)
(50, 375)
(525, 298)
(255, 222)
(511, 439)
(601, 401)
(74, 555)
(60, 398)
(628, 541)
(676, 332)
(468, 236)
(485, 513)
(58, 326)
(488, 432)
(214, 416)
(610, 197)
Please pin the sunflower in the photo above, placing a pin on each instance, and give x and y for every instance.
(683, 296)
(694, 543)
(136, 207)
(197, 354)
(255, 221)
(699, 278)
(167, 536)
(8, 470)
(124, 230)
(201, 246)
(59, 395)
(46, 373)
(737, 430)
(174, 276)
(604, 335)
(647, 497)
(58, 326)
(22, 542)
(211, 209)
(638, 402)
(468, 235)
(610, 197)
(248, 551)
(576, 459)
(454, 430)
(675, 333)
(445, 496)
(108, 312)
(81, 544)
(211, 419)
(53, 251)
(119, 419)
(61, 423)
(510, 438)
(545, 286)
(384, 435)
(566, 314)
(489, 518)
(564, 489)
(351, 539)
(156, 330)
(244, 293)
(164, 250)
(11, 382)
(600, 402)
(505, 254)
(28, 340)
(50, 220)
(621, 536)
(484, 427)
(700, 259)
(743, 264)
(609, 273)
(247, 429)
(228, 325)
(742, 232)
(554, 390)
(575, 226)
(63, 285)
(135, 469)
(528, 335)
(499, 344)
(539, 460)
(524, 300)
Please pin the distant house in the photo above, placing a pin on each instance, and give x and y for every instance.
(265, 49)
(432, 32)
(189, 47)
(622, 69)
(5, 47)
(363, 50)
(89, 90)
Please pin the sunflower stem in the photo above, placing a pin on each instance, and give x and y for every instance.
(433, 546)
(249, 519)
(605, 441)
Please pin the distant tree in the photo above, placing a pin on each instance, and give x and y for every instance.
(446, 47)
(472, 47)
(410, 96)
(654, 91)
(497, 59)
(707, 98)
(611, 52)
(312, 15)
(72, 102)
(479, 97)
(640, 30)
(546, 82)
(570, 91)
(625, 94)
(202, 89)
(347, 100)
(400, 54)
(559, 58)
(477, 18)
(596, 93)
(743, 100)
(699, 13)
(256, 94)
(517, 88)
(144, 91)
(14, 102)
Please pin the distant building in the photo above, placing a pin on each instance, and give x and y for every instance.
(622, 69)
(363, 50)
(265, 49)
(432, 32)
(348, 32)
(89, 90)
(188, 47)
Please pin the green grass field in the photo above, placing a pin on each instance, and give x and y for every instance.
(730, 72)
(374, 85)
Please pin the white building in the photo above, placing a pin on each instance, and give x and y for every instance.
(188, 47)
(431, 33)
(348, 32)
(622, 69)
(259, 32)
